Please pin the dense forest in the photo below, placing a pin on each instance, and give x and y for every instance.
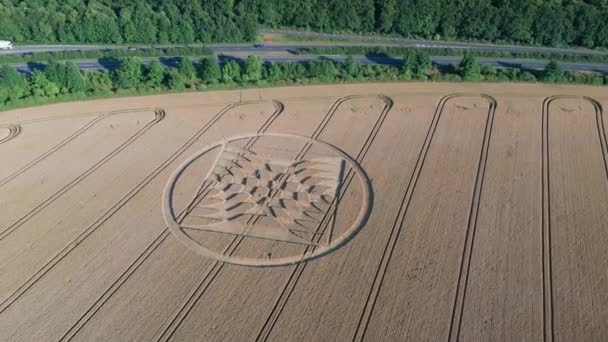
(545, 22)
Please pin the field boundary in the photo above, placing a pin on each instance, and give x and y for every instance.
(548, 298)
(396, 229)
(128, 272)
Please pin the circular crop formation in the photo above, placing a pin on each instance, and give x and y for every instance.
(248, 194)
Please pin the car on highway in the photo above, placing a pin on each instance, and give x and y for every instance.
(6, 45)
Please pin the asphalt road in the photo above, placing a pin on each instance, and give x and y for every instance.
(111, 64)
(286, 52)
(342, 40)
(424, 43)
(26, 49)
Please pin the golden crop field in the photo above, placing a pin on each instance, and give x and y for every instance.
(404, 211)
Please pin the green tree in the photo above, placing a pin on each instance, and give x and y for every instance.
(324, 70)
(416, 63)
(231, 72)
(450, 18)
(127, 27)
(488, 70)
(512, 73)
(351, 66)
(253, 68)
(550, 27)
(548, 22)
(186, 68)
(422, 64)
(408, 63)
(527, 76)
(248, 27)
(188, 72)
(129, 74)
(14, 85)
(209, 70)
(155, 74)
(552, 72)
(501, 77)
(293, 71)
(366, 13)
(515, 21)
(275, 73)
(56, 73)
(175, 79)
(41, 87)
(73, 78)
(470, 70)
(99, 82)
(386, 13)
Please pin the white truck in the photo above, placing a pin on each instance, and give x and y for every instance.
(5, 45)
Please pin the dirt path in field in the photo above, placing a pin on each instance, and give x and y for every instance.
(337, 213)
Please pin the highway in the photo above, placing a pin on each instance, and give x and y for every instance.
(293, 48)
(334, 40)
(532, 64)
(288, 52)
(27, 49)
(337, 40)
(343, 39)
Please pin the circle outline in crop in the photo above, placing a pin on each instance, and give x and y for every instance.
(359, 223)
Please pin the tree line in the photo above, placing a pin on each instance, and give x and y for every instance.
(545, 22)
(61, 81)
(119, 22)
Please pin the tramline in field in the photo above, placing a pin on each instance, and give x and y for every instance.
(354, 212)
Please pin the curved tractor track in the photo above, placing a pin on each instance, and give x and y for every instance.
(13, 131)
(549, 217)
(159, 114)
(403, 212)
